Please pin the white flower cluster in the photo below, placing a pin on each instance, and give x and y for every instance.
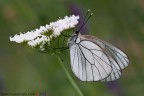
(38, 37)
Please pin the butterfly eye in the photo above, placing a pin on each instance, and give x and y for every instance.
(76, 32)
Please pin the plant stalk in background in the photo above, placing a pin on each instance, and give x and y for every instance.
(70, 77)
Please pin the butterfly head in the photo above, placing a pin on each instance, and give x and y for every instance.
(77, 32)
(75, 38)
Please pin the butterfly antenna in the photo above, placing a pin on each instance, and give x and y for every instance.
(86, 16)
(85, 20)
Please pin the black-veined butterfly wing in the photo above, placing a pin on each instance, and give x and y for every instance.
(88, 61)
(93, 59)
(118, 59)
(115, 74)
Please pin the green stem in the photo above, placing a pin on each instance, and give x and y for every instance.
(69, 77)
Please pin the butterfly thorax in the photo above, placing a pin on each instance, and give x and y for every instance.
(73, 39)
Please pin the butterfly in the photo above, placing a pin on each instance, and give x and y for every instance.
(93, 59)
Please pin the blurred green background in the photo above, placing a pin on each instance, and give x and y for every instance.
(22, 69)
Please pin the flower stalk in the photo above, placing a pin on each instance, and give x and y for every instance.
(73, 83)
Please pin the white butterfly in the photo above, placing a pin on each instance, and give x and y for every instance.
(93, 59)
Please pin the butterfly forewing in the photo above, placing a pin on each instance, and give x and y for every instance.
(93, 59)
(119, 57)
(88, 61)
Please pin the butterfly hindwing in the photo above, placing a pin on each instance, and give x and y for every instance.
(118, 59)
